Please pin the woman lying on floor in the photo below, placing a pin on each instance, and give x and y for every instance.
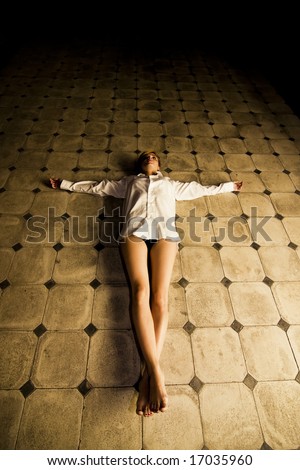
(149, 233)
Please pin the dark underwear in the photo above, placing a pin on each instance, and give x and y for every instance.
(150, 242)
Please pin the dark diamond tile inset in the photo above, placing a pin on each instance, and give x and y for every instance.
(293, 246)
(255, 246)
(84, 387)
(183, 282)
(27, 389)
(101, 216)
(4, 284)
(284, 325)
(268, 281)
(90, 329)
(27, 216)
(226, 282)
(99, 246)
(17, 247)
(217, 246)
(58, 247)
(95, 283)
(40, 330)
(189, 327)
(236, 326)
(265, 446)
(250, 382)
(196, 384)
(49, 284)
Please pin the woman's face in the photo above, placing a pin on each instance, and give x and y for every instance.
(150, 163)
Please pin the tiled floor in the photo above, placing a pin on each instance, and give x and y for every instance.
(69, 363)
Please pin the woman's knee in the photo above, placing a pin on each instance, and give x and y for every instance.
(140, 292)
(159, 300)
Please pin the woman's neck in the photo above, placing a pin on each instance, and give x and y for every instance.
(150, 173)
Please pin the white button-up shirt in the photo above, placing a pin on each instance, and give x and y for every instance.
(149, 201)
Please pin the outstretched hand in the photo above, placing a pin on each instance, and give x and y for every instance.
(238, 185)
(55, 183)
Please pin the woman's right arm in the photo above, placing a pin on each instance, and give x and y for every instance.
(101, 188)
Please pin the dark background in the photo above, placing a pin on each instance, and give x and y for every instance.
(249, 35)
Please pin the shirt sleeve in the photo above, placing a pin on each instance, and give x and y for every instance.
(103, 188)
(193, 190)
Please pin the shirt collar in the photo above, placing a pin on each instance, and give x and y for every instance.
(158, 174)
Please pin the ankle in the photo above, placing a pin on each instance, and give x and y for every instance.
(155, 371)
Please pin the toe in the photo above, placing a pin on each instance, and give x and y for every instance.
(154, 407)
(147, 412)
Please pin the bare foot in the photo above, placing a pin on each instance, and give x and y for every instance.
(142, 406)
(158, 398)
(55, 183)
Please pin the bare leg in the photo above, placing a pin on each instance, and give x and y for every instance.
(135, 255)
(162, 257)
(150, 326)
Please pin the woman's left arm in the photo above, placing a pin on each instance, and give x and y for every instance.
(193, 190)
